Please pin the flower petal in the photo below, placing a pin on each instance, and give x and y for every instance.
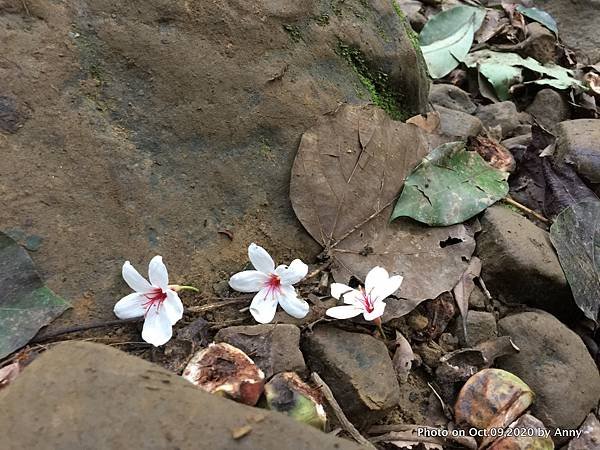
(157, 328)
(378, 309)
(343, 312)
(293, 273)
(130, 306)
(157, 272)
(354, 297)
(133, 278)
(263, 306)
(260, 259)
(386, 288)
(173, 307)
(291, 304)
(376, 276)
(248, 281)
(338, 289)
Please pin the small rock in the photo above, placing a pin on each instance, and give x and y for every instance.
(540, 44)
(590, 435)
(481, 326)
(448, 342)
(458, 124)
(519, 264)
(11, 115)
(274, 348)
(578, 144)
(358, 369)
(517, 143)
(504, 114)
(477, 300)
(555, 363)
(454, 126)
(451, 97)
(417, 321)
(549, 108)
(430, 352)
(95, 396)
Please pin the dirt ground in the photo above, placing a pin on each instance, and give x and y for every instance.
(151, 127)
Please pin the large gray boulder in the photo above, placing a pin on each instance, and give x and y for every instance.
(88, 396)
(519, 264)
(143, 128)
(556, 365)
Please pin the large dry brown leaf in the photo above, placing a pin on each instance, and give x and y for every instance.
(347, 174)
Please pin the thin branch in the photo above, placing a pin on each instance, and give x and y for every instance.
(318, 270)
(77, 329)
(216, 305)
(26, 8)
(357, 226)
(344, 422)
(525, 209)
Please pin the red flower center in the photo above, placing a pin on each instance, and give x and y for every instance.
(366, 301)
(273, 284)
(155, 297)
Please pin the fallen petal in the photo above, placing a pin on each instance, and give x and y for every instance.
(133, 278)
(157, 272)
(260, 259)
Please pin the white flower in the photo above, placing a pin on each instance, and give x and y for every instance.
(274, 285)
(368, 300)
(156, 301)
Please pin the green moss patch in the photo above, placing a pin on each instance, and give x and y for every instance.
(377, 83)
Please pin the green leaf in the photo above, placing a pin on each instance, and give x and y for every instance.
(447, 38)
(576, 236)
(26, 304)
(539, 16)
(450, 186)
(504, 69)
(501, 77)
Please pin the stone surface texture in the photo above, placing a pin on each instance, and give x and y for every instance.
(89, 396)
(556, 365)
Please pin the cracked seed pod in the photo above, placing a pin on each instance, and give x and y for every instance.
(492, 398)
(288, 394)
(529, 433)
(223, 369)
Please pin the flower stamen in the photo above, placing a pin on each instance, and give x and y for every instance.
(273, 284)
(156, 297)
(366, 300)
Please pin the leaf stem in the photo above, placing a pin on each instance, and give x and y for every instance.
(178, 287)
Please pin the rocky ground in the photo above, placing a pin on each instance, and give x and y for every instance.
(170, 128)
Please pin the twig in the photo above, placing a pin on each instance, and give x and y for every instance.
(318, 270)
(483, 287)
(26, 8)
(216, 305)
(226, 323)
(525, 209)
(344, 422)
(89, 326)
